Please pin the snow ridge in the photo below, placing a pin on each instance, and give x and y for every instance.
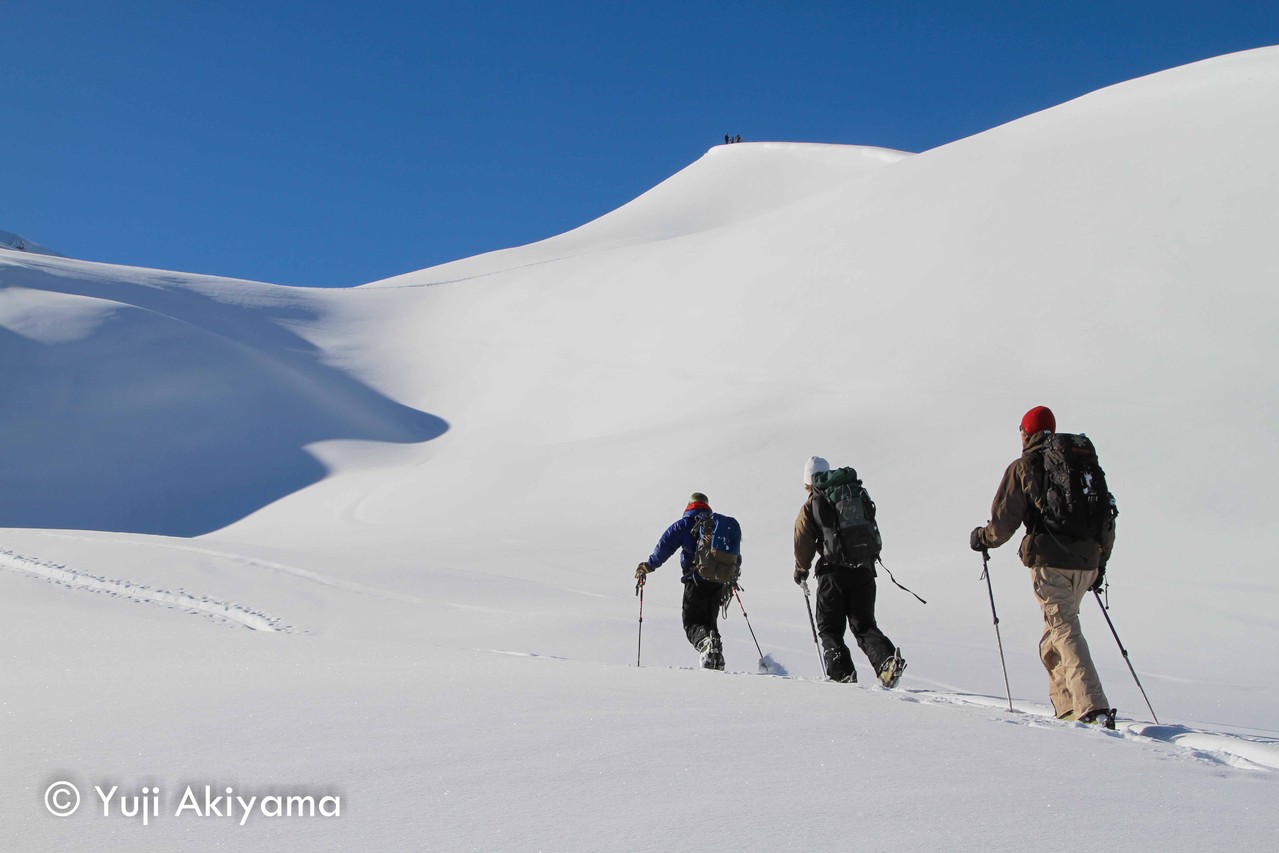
(18, 243)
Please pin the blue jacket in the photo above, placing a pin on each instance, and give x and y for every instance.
(679, 535)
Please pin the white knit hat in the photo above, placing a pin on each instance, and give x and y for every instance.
(814, 465)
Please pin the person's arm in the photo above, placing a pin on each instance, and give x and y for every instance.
(668, 544)
(1007, 510)
(806, 538)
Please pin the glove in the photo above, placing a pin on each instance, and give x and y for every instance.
(1101, 579)
(801, 575)
(975, 540)
(641, 570)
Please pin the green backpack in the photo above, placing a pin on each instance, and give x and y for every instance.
(845, 514)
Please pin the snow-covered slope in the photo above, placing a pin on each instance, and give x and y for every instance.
(159, 403)
(18, 243)
(731, 184)
(430, 492)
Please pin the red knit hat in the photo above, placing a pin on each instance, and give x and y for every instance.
(1037, 420)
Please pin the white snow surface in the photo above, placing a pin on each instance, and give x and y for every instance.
(378, 543)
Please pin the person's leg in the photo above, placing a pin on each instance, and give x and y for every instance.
(1073, 683)
(692, 611)
(860, 604)
(1063, 705)
(700, 612)
(831, 617)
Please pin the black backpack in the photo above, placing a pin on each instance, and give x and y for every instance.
(845, 514)
(1076, 501)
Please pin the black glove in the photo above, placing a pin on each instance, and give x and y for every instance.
(1101, 579)
(975, 540)
(801, 575)
(641, 570)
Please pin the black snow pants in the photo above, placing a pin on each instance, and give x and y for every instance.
(847, 595)
(701, 609)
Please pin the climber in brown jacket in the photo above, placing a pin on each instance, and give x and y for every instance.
(1062, 569)
(845, 598)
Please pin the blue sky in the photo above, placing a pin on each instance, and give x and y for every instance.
(335, 143)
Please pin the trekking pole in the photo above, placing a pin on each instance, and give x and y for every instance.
(812, 624)
(985, 573)
(639, 590)
(1105, 612)
(763, 667)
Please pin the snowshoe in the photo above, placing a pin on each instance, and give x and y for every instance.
(1104, 717)
(890, 672)
(712, 653)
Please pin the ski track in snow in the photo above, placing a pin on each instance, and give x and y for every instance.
(1242, 752)
(222, 611)
(1256, 752)
(241, 559)
(1239, 751)
(490, 274)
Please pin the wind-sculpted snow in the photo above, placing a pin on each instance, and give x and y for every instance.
(140, 402)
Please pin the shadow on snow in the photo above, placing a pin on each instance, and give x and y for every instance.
(174, 414)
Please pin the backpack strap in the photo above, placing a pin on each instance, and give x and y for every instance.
(894, 580)
(1034, 515)
(823, 509)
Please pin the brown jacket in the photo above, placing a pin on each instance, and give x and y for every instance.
(808, 537)
(1016, 503)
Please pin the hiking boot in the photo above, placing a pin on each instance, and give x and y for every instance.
(712, 652)
(1104, 717)
(839, 666)
(890, 672)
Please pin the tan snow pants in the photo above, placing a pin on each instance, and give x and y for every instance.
(1073, 684)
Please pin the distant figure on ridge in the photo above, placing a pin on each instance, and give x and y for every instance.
(710, 555)
(1058, 491)
(837, 523)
